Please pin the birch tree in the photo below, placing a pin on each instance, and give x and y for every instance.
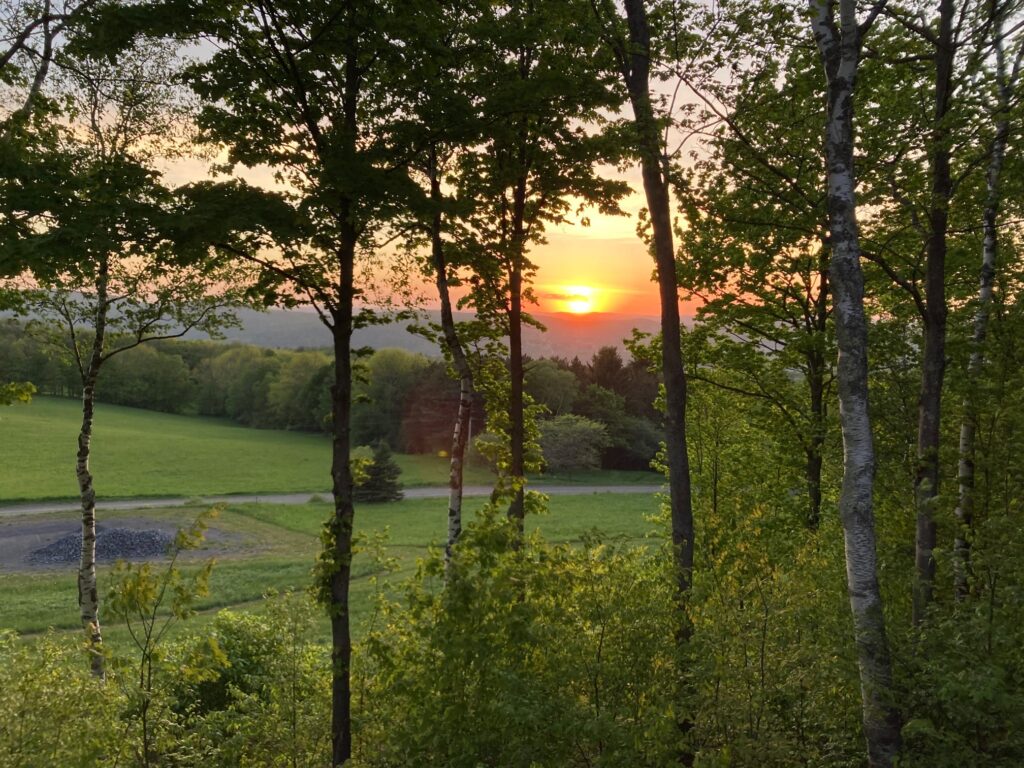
(456, 353)
(448, 124)
(839, 42)
(106, 276)
(927, 157)
(1009, 57)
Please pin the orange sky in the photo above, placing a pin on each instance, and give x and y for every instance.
(606, 257)
(618, 269)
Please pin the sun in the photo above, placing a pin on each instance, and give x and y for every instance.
(579, 299)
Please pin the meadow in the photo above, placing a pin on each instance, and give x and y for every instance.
(261, 548)
(138, 454)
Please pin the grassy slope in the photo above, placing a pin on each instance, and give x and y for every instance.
(142, 453)
(274, 548)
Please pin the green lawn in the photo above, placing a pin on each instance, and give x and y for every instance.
(274, 547)
(139, 453)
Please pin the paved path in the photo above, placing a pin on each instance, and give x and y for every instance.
(42, 507)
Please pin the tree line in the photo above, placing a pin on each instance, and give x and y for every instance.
(594, 414)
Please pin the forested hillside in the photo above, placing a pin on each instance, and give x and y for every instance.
(598, 413)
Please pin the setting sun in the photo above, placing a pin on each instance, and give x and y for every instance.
(579, 299)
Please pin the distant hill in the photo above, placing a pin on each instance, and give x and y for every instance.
(567, 335)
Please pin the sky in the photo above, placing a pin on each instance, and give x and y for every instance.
(603, 267)
(606, 257)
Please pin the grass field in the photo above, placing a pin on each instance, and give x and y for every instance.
(139, 453)
(273, 547)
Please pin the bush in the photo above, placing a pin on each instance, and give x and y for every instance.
(53, 712)
(572, 442)
(266, 701)
(545, 656)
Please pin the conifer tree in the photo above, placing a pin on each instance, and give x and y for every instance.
(381, 483)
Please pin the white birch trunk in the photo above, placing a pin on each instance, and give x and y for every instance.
(88, 592)
(460, 437)
(88, 595)
(840, 52)
(989, 253)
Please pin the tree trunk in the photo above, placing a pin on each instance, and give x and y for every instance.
(926, 485)
(88, 592)
(516, 410)
(656, 189)
(635, 64)
(840, 53)
(460, 362)
(517, 431)
(989, 254)
(340, 525)
(816, 442)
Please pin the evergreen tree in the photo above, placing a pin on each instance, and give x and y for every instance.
(381, 482)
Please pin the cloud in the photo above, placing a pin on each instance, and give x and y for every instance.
(563, 296)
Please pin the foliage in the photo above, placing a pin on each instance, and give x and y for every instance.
(553, 653)
(52, 710)
(262, 699)
(384, 395)
(404, 398)
(138, 597)
(551, 386)
(572, 442)
(16, 393)
(531, 653)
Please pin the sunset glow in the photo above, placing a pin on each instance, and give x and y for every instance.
(581, 299)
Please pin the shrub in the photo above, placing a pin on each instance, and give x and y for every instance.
(572, 442)
(544, 656)
(53, 712)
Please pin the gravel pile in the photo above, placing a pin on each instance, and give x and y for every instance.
(111, 544)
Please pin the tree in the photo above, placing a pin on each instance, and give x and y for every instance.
(147, 378)
(533, 160)
(117, 281)
(839, 45)
(389, 379)
(636, 55)
(296, 392)
(551, 386)
(571, 442)
(381, 480)
(317, 92)
(606, 369)
(1008, 66)
(758, 243)
(30, 34)
(448, 120)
